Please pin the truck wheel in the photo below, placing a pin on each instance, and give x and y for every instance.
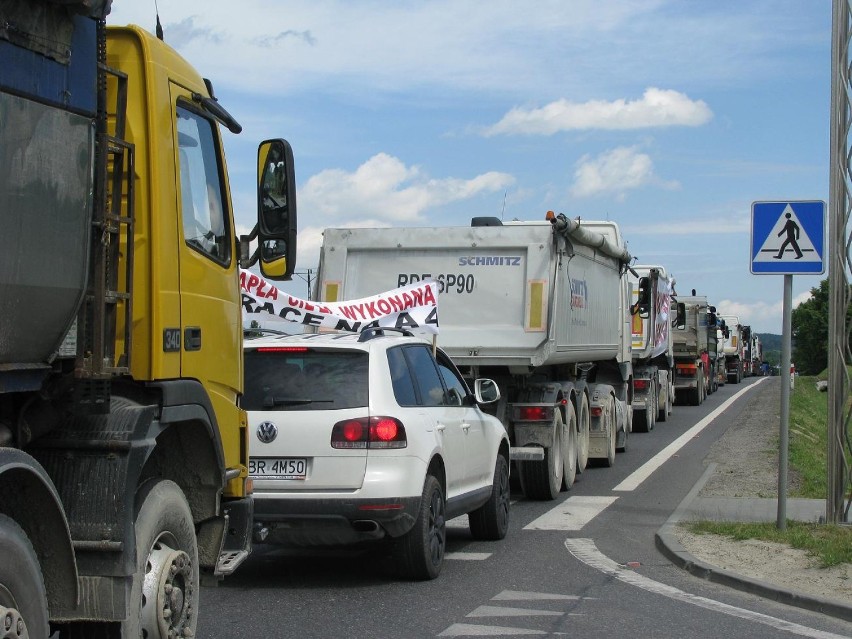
(583, 421)
(23, 601)
(609, 415)
(542, 480)
(491, 520)
(420, 551)
(165, 585)
(640, 421)
(666, 408)
(569, 450)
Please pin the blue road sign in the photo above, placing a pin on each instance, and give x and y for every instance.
(788, 238)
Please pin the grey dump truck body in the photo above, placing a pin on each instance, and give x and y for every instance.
(652, 345)
(541, 308)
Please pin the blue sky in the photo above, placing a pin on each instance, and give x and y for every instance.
(669, 117)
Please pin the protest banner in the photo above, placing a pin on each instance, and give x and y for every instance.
(413, 307)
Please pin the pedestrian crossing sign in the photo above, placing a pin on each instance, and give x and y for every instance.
(788, 238)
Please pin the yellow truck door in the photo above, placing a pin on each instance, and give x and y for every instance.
(210, 311)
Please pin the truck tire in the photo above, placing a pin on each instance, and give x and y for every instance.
(569, 449)
(419, 553)
(644, 420)
(609, 416)
(165, 586)
(666, 408)
(542, 480)
(583, 421)
(22, 595)
(491, 520)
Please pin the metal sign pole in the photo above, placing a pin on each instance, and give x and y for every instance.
(781, 522)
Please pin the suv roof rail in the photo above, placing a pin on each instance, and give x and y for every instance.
(379, 331)
(252, 333)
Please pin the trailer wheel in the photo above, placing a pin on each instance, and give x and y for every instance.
(491, 520)
(666, 408)
(165, 585)
(583, 421)
(23, 601)
(609, 416)
(569, 451)
(542, 480)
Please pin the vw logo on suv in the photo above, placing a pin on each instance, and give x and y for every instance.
(266, 432)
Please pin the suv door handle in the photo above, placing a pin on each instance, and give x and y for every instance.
(440, 427)
(465, 427)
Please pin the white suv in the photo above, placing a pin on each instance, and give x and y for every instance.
(371, 436)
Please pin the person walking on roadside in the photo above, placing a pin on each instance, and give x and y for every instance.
(792, 231)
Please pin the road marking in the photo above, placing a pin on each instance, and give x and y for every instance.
(468, 556)
(643, 472)
(516, 595)
(472, 630)
(571, 514)
(586, 551)
(504, 611)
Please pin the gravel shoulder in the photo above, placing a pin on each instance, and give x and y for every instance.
(746, 459)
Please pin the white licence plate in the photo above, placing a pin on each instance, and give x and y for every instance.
(278, 467)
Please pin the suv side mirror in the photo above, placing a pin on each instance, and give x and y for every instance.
(680, 319)
(276, 209)
(486, 391)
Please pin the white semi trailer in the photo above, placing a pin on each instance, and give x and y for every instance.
(653, 355)
(540, 307)
(734, 348)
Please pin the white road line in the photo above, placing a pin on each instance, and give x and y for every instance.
(518, 595)
(571, 514)
(643, 472)
(586, 551)
(472, 630)
(468, 556)
(504, 611)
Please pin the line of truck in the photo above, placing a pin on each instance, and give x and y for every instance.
(123, 445)
(585, 346)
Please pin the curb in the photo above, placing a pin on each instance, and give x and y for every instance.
(667, 543)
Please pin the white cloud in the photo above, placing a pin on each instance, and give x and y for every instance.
(380, 192)
(615, 171)
(385, 188)
(656, 108)
(761, 316)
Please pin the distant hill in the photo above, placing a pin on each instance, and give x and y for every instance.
(770, 342)
(771, 347)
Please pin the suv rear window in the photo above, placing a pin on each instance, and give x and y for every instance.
(305, 380)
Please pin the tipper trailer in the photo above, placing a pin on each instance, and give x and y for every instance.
(123, 448)
(540, 307)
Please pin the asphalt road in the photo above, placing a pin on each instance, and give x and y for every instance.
(584, 565)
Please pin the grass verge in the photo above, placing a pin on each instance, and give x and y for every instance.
(831, 545)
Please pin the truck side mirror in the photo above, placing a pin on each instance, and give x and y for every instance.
(711, 318)
(643, 302)
(680, 319)
(276, 209)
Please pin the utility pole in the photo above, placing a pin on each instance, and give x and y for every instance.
(839, 410)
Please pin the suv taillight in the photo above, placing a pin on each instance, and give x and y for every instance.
(372, 432)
